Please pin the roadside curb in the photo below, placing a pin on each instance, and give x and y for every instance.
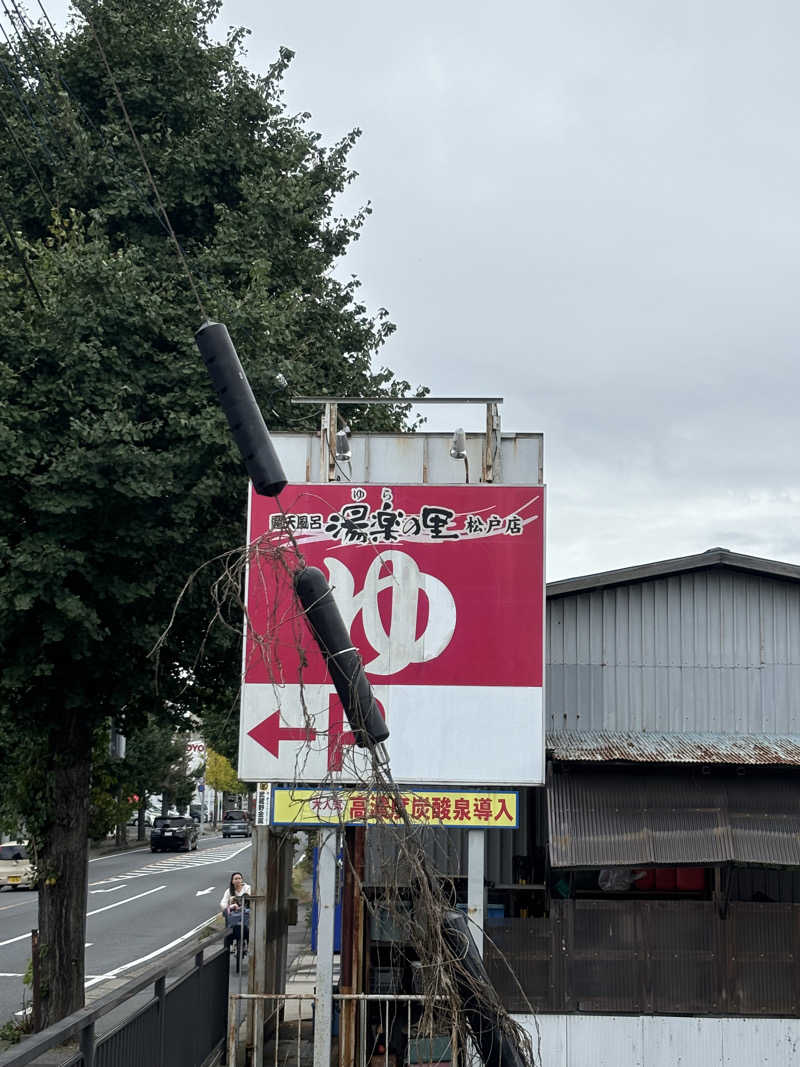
(111, 849)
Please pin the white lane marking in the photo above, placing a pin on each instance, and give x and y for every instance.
(10, 974)
(204, 892)
(113, 889)
(108, 907)
(127, 900)
(13, 940)
(88, 944)
(116, 855)
(150, 955)
(182, 862)
(21, 904)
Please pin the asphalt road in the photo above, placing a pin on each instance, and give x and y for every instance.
(140, 905)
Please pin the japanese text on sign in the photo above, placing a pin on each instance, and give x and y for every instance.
(466, 808)
(263, 804)
(357, 523)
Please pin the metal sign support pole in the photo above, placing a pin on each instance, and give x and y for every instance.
(259, 904)
(476, 847)
(327, 440)
(326, 909)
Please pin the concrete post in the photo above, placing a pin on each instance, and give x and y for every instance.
(259, 911)
(326, 910)
(476, 840)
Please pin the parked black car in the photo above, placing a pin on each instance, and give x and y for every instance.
(174, 832)
(236, 822)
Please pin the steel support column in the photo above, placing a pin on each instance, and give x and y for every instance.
(326, 910)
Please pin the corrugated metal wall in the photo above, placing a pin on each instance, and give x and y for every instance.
(635, 1041)
(715, 650)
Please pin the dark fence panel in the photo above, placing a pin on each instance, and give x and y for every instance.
(209, 1011)
(650, 957)
(136, 1041)
(184, 1009)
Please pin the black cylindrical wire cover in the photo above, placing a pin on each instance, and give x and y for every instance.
(479, 1002)
(244, 415)
(342, 660)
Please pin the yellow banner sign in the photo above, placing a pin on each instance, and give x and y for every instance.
(428, 807)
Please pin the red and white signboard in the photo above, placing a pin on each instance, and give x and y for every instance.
(442, 588)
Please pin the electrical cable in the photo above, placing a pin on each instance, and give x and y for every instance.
(26, 65)
(20, 255)
(47, 19)
(24, 106)
(121, 172)
(26, 157)
(153, 185)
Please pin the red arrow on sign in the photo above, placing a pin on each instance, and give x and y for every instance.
(270, 733)
(338, 737)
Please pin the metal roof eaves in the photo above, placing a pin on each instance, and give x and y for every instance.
(713, 557)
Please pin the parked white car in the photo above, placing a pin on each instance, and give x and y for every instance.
(16, 868)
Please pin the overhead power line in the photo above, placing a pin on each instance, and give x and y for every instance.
(26, 157)
(150, 178)
(24, 106)
(20, 256)
(57, 78)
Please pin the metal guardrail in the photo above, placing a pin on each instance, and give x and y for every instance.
(389, 1007)
(145, 1038)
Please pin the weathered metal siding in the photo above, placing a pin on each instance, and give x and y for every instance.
(635, 1041)
(711, 651)
(656, 957)
(637, 818)
(394, 458)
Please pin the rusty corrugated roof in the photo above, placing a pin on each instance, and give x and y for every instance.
(638, 747)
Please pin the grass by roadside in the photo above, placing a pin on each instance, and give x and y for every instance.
(301, 883)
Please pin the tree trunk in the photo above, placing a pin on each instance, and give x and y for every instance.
(63, 878)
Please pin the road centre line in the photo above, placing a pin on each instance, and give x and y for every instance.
(20, 903)
(151, 955)
(108, 907)
(127, 900)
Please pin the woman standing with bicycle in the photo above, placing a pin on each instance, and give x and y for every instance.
(235, 906)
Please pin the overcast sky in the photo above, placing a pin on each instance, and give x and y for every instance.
(593, 211)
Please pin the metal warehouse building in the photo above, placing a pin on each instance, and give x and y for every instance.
(649, 903)
(670, 925)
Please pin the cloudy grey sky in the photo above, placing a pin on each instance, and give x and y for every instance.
(593, 211)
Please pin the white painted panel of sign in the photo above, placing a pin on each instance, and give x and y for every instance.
(426, 743)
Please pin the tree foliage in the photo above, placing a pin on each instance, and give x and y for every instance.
(118, 475)
(220, 774)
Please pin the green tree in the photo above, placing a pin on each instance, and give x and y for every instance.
(118, 475)
(155, 762)
(220, 774)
